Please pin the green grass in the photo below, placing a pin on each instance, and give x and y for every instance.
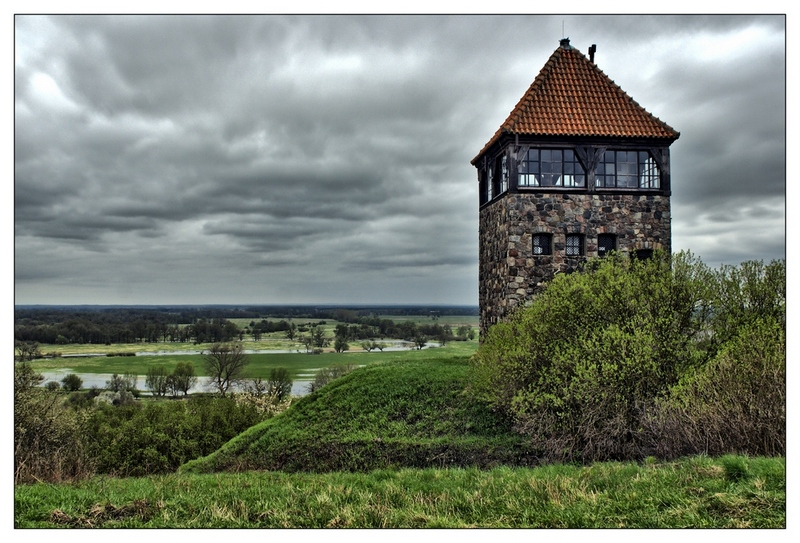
(691, 493)
(298, 364)
(403, 413)
(397, 444)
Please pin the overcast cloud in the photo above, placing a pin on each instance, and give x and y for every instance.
(326, 159)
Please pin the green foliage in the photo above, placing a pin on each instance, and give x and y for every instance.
(156, 380)
(325, 375)
(52, 386)
(182, 379)
(736, 402)
(747, 293)
(400, 414)
(122, 383)
(690, 493)
(72, 382)
(340, 345)
(47, 436)
(582, 368)
(279, 384)
(157, 437)
(26, 350)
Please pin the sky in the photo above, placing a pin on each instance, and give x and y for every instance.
(326, 159)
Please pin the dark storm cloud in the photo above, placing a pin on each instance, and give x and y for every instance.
(194, 159)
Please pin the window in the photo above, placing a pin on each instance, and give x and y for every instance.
(551, 168)
(489, 183)
(643, 254)
(502, 167)
(606, 243)
(627, 169)
(542, 244)
(574, 245)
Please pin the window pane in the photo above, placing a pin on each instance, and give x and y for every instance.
(541, 244)
(605, 243)
(569, 155)
(574, 245)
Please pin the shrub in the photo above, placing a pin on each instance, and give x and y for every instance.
(48, 442)
(734, 404)
(326, 375)
(72, 382)
(591, 369)
(52, 386)
(157, 437)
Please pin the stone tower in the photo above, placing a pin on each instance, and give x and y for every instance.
(576, 170)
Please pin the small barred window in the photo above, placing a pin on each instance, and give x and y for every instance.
(542, 244)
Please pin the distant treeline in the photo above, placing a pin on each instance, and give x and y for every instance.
(107, 325)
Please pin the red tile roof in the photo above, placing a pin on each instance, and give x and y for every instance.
(571, 96)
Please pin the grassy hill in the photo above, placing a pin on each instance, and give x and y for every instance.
(394, 441)
(395, 414)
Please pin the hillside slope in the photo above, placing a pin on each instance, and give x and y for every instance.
(399, 414)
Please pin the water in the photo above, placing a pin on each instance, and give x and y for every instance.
(299, 386)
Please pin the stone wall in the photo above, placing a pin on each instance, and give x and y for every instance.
(510, 274)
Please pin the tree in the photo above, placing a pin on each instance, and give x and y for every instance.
(279, 384)
(119, 383)
(420, 341)
(318, 338)
(341, 345)
(27, 350)
(72, 382)
(183, 378)
(156, 380)
(224, 364)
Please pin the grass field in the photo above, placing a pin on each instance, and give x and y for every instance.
(398, 444)
(730, 492)
(260, 364)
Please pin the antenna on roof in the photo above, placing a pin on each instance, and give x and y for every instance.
(563, 33)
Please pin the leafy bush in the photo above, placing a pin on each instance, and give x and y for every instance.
(48, 442)
(326, 375)
(586, 368)
(157, 437)
(735, 403)
(72, 382)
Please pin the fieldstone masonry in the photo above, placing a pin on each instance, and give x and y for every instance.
(510, 274)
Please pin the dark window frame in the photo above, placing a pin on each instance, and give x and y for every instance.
(606, 243)
(544, 245)
(551, 167)
(574, 245)
(627, 169)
